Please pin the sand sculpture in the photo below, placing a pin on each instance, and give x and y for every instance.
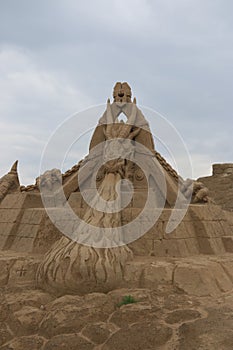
(66, 283)
(196, 189)
(68, 266)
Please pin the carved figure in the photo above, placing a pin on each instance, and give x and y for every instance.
(196, 190)
(76, 268)
(71, 267)
(50, 181)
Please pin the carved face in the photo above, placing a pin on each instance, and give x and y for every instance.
(122, 92)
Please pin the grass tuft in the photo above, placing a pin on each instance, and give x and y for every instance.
(127, 299)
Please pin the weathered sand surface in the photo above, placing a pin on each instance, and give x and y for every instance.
(182, 303)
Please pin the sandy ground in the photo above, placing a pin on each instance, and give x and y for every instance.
(187, 314)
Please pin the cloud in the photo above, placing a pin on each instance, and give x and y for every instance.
(33, 103)
(59, 57)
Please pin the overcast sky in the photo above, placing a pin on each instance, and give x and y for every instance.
(58, 57)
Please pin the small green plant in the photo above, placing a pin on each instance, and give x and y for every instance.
(127, 299)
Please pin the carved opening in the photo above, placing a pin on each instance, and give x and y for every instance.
(122, 117)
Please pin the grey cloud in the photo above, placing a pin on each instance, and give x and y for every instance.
(63, 56)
